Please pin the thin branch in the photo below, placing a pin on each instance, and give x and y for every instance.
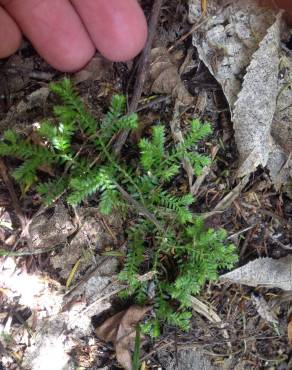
(141, 73)
(139, 207)
(8, 183)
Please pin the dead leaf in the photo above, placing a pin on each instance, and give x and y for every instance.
(266, 272)
(109, 329)
(254, 110)
(120, 330)
(193, 358)
(228, 39)
(97, 69)
(289, 328)
(165, 77)
(242, 40)
(264, 309)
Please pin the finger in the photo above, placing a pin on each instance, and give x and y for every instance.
(287, 5)
(118, 28)
(55, 30)
(10, 36)
(283, 4)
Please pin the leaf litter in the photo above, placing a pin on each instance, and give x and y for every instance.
(241, 46)
(120, 330)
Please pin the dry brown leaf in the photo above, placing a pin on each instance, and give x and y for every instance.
(97, 69)
(120, 330)
(289, 329)
(108, 330)
(165, 77)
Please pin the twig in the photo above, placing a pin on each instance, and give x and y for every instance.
(178, 138)
(200, 179)
(145, 277)
(194, 28)
(230, 197)
(139, 207)
(5, 253)
(241, 232)
(141, 73)
(5, 176)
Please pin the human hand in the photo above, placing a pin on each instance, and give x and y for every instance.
(283, 4)
(66, 33)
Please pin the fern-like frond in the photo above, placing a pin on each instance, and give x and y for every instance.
(51, 190)
(197, 132)
(25, 174)
(133, 261)
(153, 151)
(116, 120)
(60, 136)
(76, 107)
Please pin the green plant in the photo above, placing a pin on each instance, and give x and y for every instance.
(164, 237)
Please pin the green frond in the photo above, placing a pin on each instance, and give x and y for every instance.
(117, 106)
(116, 120)
(133, 261)
(169, 172)
(158, 139)
(163, 229)
(89, 183)
(198, 131)
(60, 136)
(153, 151)
(109, 199)
(76, 107)
(11, 136)
(51, 190)
(198, 162)
(129, 121)
(22, 149)
(166, 313)
(83, 186)
(25, 174)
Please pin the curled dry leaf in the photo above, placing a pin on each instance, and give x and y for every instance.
(165, 77)
(120, 330)
(266, 272)
(228, 38)
(264, 309)
(289, 328)
(97, 69)
(241, 41)
(254, 110)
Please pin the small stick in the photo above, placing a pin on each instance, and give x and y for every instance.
(141, 73)
(6, 253)
(194, 28)
(5, 176)
(139, 207)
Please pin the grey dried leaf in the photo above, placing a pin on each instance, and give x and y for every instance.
(263, 309)
(228, 39)
(242, 38)
(256, 104)
(266, 272)
(189, 359)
